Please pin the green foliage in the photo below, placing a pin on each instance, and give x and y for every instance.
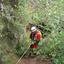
(54, 48)
(17, 15)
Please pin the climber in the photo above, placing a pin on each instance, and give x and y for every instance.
(35, 36)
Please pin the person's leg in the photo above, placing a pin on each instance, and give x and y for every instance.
(30, 53)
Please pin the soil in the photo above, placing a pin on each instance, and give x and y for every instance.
(35, 60)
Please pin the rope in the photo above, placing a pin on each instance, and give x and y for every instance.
(23, 55)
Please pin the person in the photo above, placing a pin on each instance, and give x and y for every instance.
(35, 37)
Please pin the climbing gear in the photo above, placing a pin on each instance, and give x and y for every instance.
(41, 27)
(23, 54)
(33, 28)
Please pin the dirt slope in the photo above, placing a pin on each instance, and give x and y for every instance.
(35, 60)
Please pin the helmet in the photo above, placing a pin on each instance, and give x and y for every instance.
(33, 28)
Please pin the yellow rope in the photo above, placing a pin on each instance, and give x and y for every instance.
(23, 55)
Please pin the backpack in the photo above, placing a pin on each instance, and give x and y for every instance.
(32, 35)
